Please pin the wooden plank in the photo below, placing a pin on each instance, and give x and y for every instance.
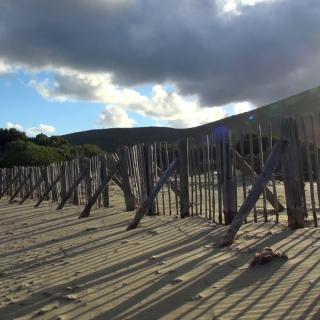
(316, 156)
(183, 178)
(208, 169)
(195, 177)
(219, 179)
(310, 171)
(168, 184)
(104, 174)
(145, 207)
(86, 212)
(261, 160)
(205, 172)
(228, 195)
(292, 175)
(63, 181)
(128, 196)
(278, 207)
(255, 218)
(155, 174)
(270, 165)
(161, 167)
(198, 170)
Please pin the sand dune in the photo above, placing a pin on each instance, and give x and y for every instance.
(54, 266)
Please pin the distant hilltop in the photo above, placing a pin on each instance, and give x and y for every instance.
(307, 102)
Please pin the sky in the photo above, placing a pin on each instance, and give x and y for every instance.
(74, 65)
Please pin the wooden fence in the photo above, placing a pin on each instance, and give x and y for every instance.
(211, 175)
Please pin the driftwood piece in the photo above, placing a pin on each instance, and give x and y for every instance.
(246, 169)
(257, 189)
(145, 207)
(86, 212)
(267, 255)
(72, 189)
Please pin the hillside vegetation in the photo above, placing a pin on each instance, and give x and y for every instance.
(307, 102)
(16, 149)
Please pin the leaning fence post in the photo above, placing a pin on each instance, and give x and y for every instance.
(128, 196)
(184, 178)
(292, 175)
(270, 165)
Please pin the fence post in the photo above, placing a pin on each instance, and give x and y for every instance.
(63, 181)
(104, 174)
(128, 196)
(292, 176)
(148, 175)
(228, 193)
(184, 178)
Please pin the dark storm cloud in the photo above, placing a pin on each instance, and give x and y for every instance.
(268, 52)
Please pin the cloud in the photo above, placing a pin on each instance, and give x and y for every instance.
(171, 108)
(242, 107)
(5, 68)
(42, 128)
(236, 6)
(10, 125)
(259, 55)
(115, 117)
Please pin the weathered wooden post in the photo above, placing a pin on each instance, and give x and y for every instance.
(184, 178)
(144, 208)
(63, 181)
(148, 174)
(104, 174)
(292, 175)
(76, 199)
(100, 189)
(46, 182)
(1, 180)
(270, 165)
(128, 195)
(228, 191)
(86, 165)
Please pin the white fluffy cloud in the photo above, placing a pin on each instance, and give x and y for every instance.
(235, 6)
(115, 117)
(171, 108)
(5, 68)
(10, 125)
(242, 107)
(42, 128)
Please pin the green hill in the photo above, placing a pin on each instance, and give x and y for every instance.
(307, 102)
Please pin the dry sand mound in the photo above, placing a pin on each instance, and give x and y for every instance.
(54, 266)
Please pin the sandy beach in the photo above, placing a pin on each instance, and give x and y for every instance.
(55, 266)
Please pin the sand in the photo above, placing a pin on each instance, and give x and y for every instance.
(55, 266)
